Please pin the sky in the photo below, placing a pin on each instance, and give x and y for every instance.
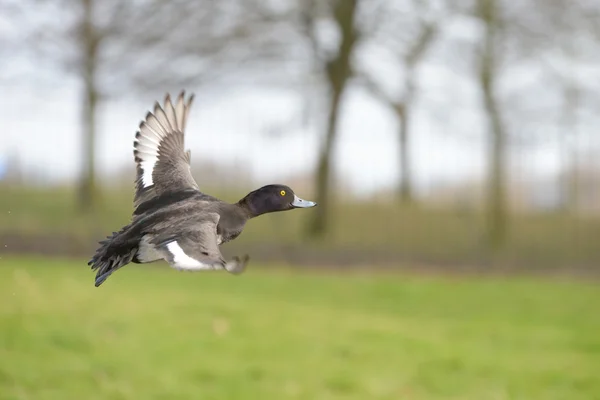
(251, 128)
(258, 129)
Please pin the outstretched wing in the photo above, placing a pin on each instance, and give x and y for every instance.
(194, 247)
(162, 164)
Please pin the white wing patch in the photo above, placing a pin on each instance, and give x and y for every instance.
(146, 144)
(183, 261)
(148, 168)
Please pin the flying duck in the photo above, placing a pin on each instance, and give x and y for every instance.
(172, 219)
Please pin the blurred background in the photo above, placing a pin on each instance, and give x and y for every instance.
(436, 135)
(430, 132)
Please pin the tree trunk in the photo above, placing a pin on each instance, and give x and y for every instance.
(497, 209)
(568, 183)
(405, 177)
(320, 220)
(403, 109)
(496, 197)
(86, 195)
(338, 72)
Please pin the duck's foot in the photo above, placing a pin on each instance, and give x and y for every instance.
(236, 266)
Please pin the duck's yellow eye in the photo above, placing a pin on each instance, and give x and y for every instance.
(282, 193)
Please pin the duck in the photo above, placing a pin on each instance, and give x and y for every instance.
(172, 219)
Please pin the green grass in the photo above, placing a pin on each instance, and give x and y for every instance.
(156, 333)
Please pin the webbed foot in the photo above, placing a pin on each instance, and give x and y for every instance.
(236, 266)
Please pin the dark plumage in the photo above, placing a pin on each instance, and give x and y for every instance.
(172, 219)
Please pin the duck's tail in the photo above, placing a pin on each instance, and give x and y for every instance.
(114, 252)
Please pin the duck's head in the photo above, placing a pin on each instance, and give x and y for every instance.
(272, 198)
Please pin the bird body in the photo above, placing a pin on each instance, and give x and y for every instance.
(172, 219)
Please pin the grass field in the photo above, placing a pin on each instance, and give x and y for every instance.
(156, 333)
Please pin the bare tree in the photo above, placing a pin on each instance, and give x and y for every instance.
(89, 41)
(111, 45)
(487, 11)
(575, 35)
(568, 127)
(336, 69)
(75, 37)
(227, 43)
(408, 50)
(513, 34)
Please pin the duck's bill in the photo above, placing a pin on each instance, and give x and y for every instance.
(300, 203)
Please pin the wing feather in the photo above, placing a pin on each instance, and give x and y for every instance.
(162, 118)
(180, 111)
(162, 163)
(170, 113)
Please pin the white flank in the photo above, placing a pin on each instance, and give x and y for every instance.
(183, 261)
